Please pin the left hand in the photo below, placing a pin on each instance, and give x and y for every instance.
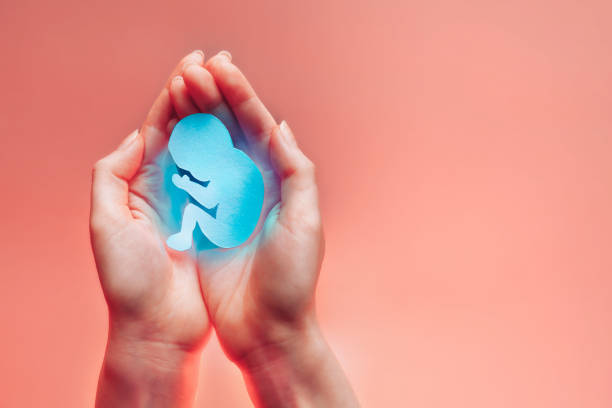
(158, 321)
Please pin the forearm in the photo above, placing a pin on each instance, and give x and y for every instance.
(301, 372)
(139, 373)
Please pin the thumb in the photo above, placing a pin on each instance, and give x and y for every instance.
(109, 188)
(299, 196)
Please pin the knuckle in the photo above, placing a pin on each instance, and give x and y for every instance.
(98, 168)
(308, 168)
(102, 168)
(101, 165)
(306, 173)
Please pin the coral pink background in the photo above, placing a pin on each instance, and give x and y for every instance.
(463, 152)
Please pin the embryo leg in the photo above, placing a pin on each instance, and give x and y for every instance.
(182, 240)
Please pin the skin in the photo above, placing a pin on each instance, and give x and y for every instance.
(258, 297)
(158, 321)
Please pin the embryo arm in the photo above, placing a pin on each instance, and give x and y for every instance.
(203, 195)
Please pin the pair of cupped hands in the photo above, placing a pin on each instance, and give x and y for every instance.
(259, 297)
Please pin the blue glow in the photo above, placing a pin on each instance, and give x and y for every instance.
(211, 186)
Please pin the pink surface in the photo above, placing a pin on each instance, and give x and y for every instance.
(463, 153)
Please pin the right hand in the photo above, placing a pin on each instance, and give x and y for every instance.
(260, 295)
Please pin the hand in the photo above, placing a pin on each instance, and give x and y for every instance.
(158, 320)
(260, 296)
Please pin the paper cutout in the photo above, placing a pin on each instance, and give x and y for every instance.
(225, 187)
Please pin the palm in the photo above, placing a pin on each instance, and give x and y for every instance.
(169, 290)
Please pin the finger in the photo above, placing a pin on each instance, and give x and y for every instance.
(183, 105)
(202, 88)
(171, 124)
(251, 113)
(161, 112)
(109, 191)
(194, 58)
(205, 93)
(299, 196)
(154, 128)
(156, 124)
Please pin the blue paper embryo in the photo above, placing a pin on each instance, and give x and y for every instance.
(225, 187)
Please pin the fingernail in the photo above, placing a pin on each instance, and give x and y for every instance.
(199, 55)
(287, 134)
(226, 54)
(128, 140)
(195, 58)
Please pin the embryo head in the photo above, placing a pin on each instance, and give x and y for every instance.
(200, 143)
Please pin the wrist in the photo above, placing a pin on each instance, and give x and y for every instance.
(289, 372)
(284, 343)
(139, 371)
